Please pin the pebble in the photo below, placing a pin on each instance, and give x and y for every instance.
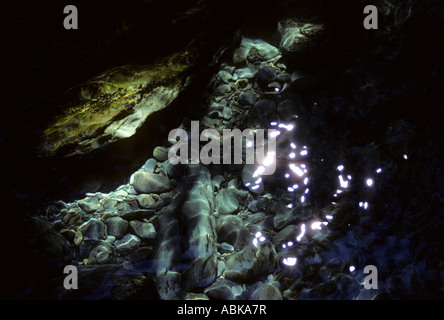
(116, 227)
(93, 229)
(222, 90)
(246, 73)
(247, 98)
(150, 165)
(224, 289)
(145, 182)
(160, 153)
(144, 230)
(89, 204)
(102, 254)
(225, 76)
(267, 291)
(145, 200)
(225, 248)
(127, 244)
(266, 74)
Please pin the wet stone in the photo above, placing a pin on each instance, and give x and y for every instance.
(145, 182)
(222, 90)
(231, 229)
(226, 201)
(266, 74)
(127, 244)
(150, 165)
(247, 98)
(93, 229)
(224, 290)
(225, 76)
(225, 248)
(266, 291)
(246, 73)
(160, 153)
(89, 204)
(116, 227)
(102, 254)
(144, 230)
(145, 200)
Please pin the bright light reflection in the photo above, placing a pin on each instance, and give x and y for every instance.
(306, 180)
(288, 127)
(405, 156)
(299, 237)
(369, 182)
(316, 225)
(342, 182)
(340, 167)
(258, 181)
(258, 171)
(290, 189)
(307, 190)
(304, 153)
(270, 158)
(302, 199)
(328, 217)
(290, 261)
(292, 155)
(296, 169)
(248, 184)
(290, 206)
(293, 146)
(255, 187)
(352, 268)
(289, 243)
(287, 175)
(379, 170)
(274, 123)
(274, 134)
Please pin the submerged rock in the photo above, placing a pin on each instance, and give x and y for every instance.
(93, 229)
(224, 289)
(89, 204)
(144, 230)
(145, 182)
(266, 291)
(127, 244)
(116, 227)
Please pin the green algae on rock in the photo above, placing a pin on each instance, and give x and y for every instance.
(114, 105)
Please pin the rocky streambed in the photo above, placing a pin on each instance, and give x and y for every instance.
(221, 232)
(358, 182)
